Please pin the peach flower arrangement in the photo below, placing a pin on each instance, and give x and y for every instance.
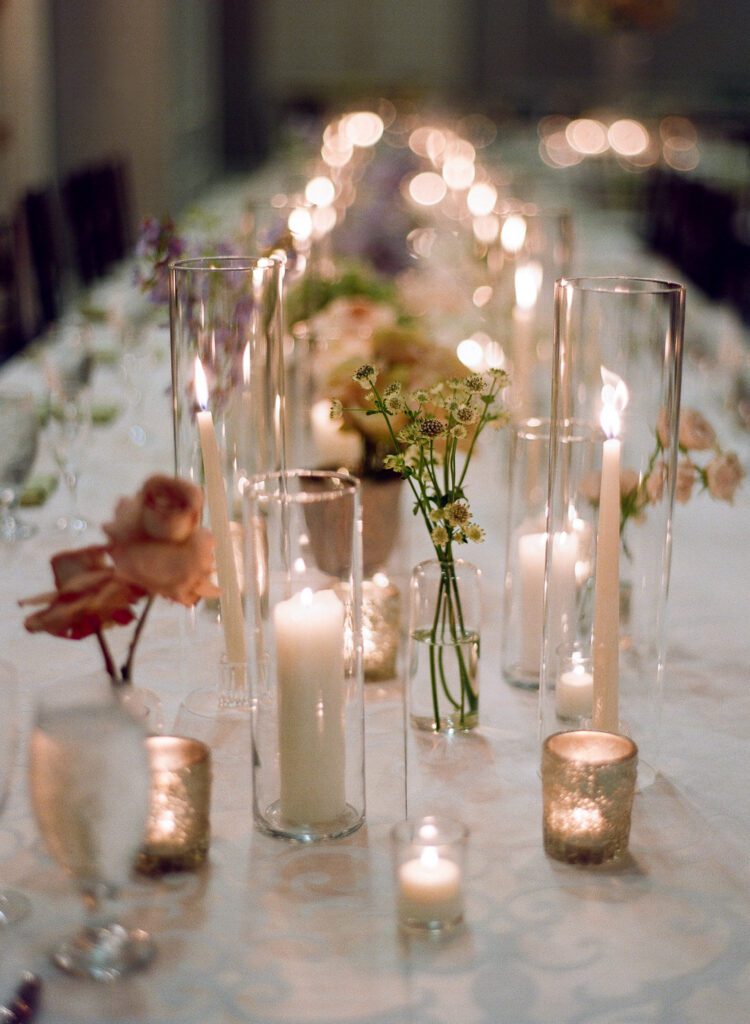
(155, 547)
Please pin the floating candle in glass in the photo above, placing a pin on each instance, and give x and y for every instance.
(429, 855)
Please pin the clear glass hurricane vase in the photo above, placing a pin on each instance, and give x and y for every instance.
(228, 395)
(616, 381)
(304, 568)
(443, 650)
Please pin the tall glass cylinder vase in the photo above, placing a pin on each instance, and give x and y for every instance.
(617, 374)
(526, 549)
(304, 570)
(533, 248)
(228, 405)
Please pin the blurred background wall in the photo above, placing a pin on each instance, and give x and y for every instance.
(186, 89)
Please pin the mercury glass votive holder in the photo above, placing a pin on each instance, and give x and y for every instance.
(381, 627)
(588, 782)
(429, 863)
(178, 826)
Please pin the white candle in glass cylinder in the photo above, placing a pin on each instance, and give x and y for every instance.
(606, 628)
(574, 693)
(429, 889)
(309, 631)
(532, 549)
(232, 618)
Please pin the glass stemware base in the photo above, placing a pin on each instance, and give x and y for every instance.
(14, 907)
(104, 951)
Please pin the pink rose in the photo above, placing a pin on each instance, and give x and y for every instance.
(165, 509)
(662, 428)
(178, 571)
(655, 482)
(686, 477)
(724, 474)
(629, 480)
(89, 596)
(696, 433)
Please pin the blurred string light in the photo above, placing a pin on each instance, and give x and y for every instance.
(427, 188)
(363, 128)
(479, 352)
(565, 142)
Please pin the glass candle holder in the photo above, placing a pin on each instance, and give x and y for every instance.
(178, 826)
(588, 782)
(617, 375)
(532, 249)
(304, 559)
(228, 402)
(574, 685)
(429, 863)
(526, 551)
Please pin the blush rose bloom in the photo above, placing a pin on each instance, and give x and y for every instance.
(158, 545)
(165, 509)
(89, 596)
(686, 477)
(655, 482)
(723, 475)
(696, 433)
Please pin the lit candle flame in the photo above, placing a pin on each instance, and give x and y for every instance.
(429, 857)
(201, 384)
(614, 399)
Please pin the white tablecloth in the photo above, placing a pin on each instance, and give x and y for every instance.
(271, 932)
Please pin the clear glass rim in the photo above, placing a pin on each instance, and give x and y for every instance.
(537, 428)
(622, 285)
(228, 263)
(449, 831)
(346, 484)
(435, 565)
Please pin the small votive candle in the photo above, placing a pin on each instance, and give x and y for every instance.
(574, 689)
(588, 782)
(178, 828)
(429, 864)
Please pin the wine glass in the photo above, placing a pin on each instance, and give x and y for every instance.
(14, 906)
(19, 430)
(70, 419)
(90, 783)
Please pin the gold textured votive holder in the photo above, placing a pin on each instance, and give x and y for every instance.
(178, 827)
(381, 627)
(588, 782)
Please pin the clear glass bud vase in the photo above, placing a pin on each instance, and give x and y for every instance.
(443, 652)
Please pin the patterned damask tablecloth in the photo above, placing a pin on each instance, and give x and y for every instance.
(275, 934)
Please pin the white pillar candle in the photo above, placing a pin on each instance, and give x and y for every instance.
(574, 693)
(334, 446)
(429, 889)
(309, 630)
(606, 628)
(232, 618)
(562, 594)
(606, 642)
